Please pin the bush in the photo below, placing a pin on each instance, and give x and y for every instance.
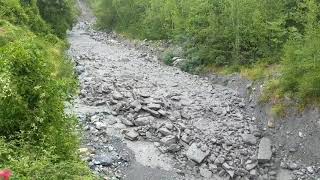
(216, 32)
(31, 97)
(301, 64)
(35, 162)
(231, 34)
(59, 14)
(37, 139)
(23, 14)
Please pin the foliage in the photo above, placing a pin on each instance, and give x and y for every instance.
(301, 66)
(220, 32)
(234, 34)
(23, 14)
(59, 14)
(41, 16)
(300, 76)
(37, 139)
(35, 162)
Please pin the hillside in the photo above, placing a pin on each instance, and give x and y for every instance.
(160, 90)
(38, 141)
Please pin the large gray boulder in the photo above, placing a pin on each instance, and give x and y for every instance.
(196, 154)
(264, 152)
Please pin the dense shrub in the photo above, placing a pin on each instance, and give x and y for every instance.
(301, 65)
(221, 32)
(37, 139)
(227, 33)
(23, 14)
(30, 162)
(60, 14)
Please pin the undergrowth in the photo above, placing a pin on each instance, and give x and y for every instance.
(260, 39)
(37, 139)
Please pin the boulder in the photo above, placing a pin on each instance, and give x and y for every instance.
(164, 131)
(204, 172)
(104, 160)
(168, 140)
(196, 154)
(142, 121)
(264, 152)
(249, 139)
(131, 135)
(154, 106)
(117, 96)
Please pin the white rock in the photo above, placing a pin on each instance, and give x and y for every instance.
(196, 154)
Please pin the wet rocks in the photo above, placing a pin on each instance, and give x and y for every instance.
(204, 127)
(264, 152)
(196, 154)
(104, 160)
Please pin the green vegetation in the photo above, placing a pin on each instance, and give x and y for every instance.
(37, 139)
(237, 35)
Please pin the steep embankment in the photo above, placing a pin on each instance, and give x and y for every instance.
(37, 139)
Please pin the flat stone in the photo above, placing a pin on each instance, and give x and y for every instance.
(112, 122)
(204, 172)
(144, 94)
(293, 166)
(142, 121)
(196, 154)
(253, 172)
(131, 135)
(231, 173)
(284, 175)
(174, 148)
(104, 160)
(117, 96)
(251, 166)
(249, 139)
(310, 169)
(226, 166)
(126, 122)
(100, 125)
(165, 131)
(168, 140)
(152, 112)
(136, 105)
(162, 112)
(185, 138)
(154, 106)
(219, 160)
(264, 152)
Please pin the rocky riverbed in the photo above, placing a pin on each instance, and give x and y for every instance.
(144, 120)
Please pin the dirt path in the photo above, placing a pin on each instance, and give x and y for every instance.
(144, 120)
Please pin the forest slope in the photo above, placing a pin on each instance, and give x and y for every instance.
(38, 141)
(252, 36)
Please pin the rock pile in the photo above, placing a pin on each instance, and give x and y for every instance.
(204, 127)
